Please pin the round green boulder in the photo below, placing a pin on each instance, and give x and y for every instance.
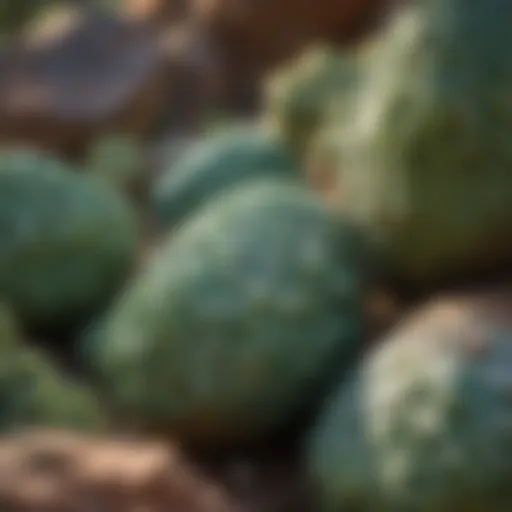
(424, 423)
(67, 241)
(239, 321)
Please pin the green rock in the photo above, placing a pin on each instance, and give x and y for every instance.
(424, 423)
(426, 159)
(67, 241)
(214, 164)
(34, 393)
(239, 320)
(298, 97)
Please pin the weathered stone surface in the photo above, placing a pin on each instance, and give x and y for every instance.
(76, 74)
(424, 422)
(55, 470)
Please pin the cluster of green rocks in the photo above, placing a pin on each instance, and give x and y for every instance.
(251, 310)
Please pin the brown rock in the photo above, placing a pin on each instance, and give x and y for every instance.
(253, 36)
(384, 309)
(77, 74)
(267, 31)
(60, 472)
(161, 11)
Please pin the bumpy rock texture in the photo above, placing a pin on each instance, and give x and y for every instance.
(425, 422)
(67, 240)
(239, 320)
(34, 393)
(425, 157)
(215, 164)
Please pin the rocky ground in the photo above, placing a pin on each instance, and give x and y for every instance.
(159, 76)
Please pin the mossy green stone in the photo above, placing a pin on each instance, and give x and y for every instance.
(214, 164)
(425, 422)
(239, 320)
(67, 241)
(426, 156)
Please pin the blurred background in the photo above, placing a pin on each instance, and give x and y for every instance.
(152, 76)
(132, 379)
